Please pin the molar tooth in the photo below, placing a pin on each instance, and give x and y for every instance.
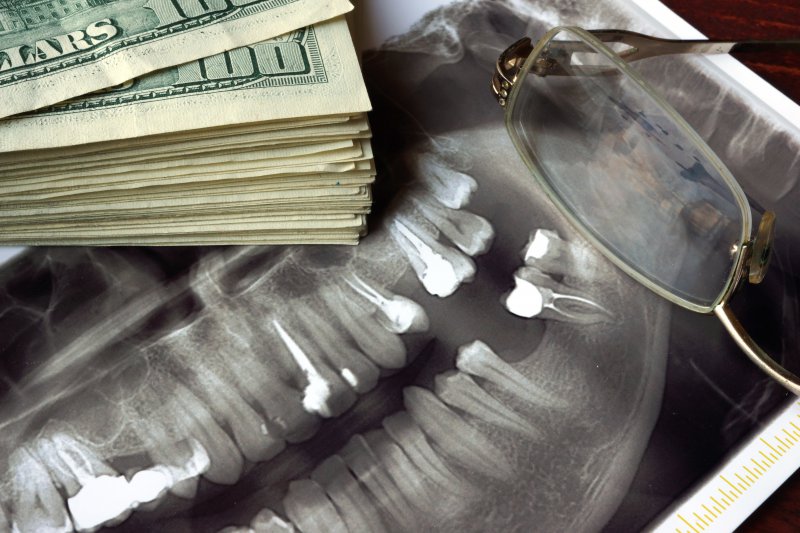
(440, 269)
(367, 468)
(457, 389)
(478, 359)
(326, 394)
(266, 521)
(225, 465)
(354, 367)
(354, 506)
(382, 346)
(535, 294)
(452, 188)
(472, 234)
(574, 260)
(36, 505)
(399, 314)
(307, 506)
(71, 464)
(408, 435)
(455, 437)
(414, 486)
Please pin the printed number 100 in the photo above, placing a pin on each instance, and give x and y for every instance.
(267, 59)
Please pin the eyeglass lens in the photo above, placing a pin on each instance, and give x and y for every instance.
(629, 171)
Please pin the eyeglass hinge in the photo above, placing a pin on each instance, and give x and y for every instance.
(509, 65)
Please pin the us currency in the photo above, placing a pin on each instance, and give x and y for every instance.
(309, 72)
(53, 51)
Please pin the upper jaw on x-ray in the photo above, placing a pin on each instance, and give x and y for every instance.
(472, 366)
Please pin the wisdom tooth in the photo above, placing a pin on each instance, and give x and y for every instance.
(459, 390)
(36, 505)
(452, 188)
(477, 359)
(367, 468)
(399, 314)
(472, 234)
(226, 464)
(408, 435)
(307, 506)
(408, 479)
(550, 253)
(266, 521)
(542, 244)
(440, 269)
(453, 435)
(325, 395)
(354, 506)
(382, 346)
(533, 295)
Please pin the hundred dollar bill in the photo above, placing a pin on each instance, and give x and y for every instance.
(309, 72)
(53, 50)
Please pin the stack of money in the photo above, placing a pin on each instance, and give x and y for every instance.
(267, 143)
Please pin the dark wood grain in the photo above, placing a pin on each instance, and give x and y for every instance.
(758, 19)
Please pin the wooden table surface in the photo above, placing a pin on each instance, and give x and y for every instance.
(758, 19)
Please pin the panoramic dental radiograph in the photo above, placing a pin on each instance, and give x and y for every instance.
(473, 365)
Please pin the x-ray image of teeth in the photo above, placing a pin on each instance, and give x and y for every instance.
(473, 365)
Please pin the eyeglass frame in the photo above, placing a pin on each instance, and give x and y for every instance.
(753, 255)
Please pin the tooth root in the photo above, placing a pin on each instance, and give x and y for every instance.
(416, 488)
(440, 269)
(326, 393)
(459, 390)
(281, 403)
(310, 510)
(266, 521)
(36, 505)
(454, 436)
(355, 368)
(399, 314)
(408, 435)
(452, 188)
(366, 467)
(478, 359)
(356, 509)
(382, 346)
(472, 234)
(225, 460)
(535, 294)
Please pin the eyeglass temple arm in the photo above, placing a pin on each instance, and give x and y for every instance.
(754, 352)
(647, 46)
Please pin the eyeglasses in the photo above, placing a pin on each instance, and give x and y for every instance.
(629, 172)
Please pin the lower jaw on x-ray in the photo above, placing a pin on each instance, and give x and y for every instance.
(471, 366)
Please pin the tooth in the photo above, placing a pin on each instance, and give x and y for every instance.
(454, 436)
(535, 294)
(408, 479)
(363, 463)
(309, 508)
(185, 461)
(150, 484)
(102, 500)
(326, 394)
(478, 359)
(382, 346)
(459, 390)
(440, 269)
(225, 465)
(452, 188)
(354, 367)
(71, 464)
(574, 260)
(408, 435)
(398, 313)
(281, 403)
(235, 529)
(266, 521)
(472, 234)
(249, 430)
(36, 505)
(354, 506)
